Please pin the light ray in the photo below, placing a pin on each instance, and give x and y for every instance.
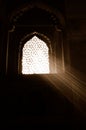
(71, 86)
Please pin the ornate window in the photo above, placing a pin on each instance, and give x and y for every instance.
(35, 57)
(36, 46)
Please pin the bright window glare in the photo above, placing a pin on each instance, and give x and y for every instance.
(35, 57)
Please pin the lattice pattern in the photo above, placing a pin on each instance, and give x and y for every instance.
(35, 57)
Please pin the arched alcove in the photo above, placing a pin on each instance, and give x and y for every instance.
(43, 21)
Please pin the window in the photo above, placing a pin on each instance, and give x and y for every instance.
(35, 57)
(46, 31)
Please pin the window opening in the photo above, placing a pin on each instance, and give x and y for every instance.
(35, 57)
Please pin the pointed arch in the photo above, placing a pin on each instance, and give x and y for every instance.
(35, 57)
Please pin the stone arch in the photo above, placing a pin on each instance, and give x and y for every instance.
(55, 14)
(52, 31)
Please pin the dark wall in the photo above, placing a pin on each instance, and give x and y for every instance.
(76, 35)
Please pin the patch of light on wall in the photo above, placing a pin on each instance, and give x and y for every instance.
(35, 57)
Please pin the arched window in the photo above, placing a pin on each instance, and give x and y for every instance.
(38, 46)
(35, 57)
